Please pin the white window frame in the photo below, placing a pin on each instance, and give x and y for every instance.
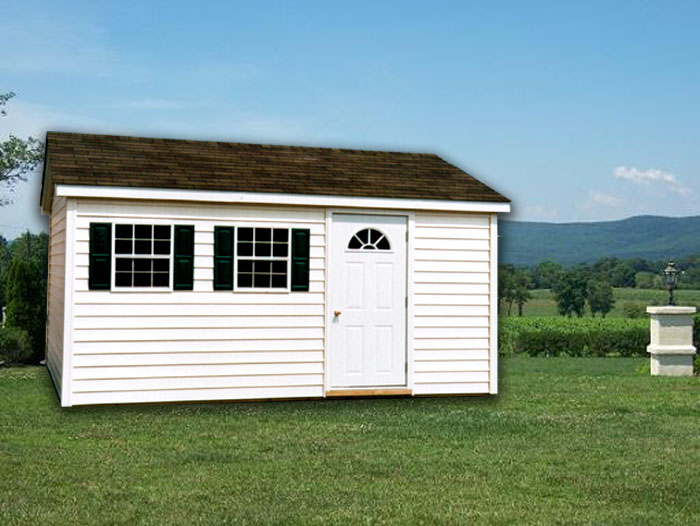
(380, 251)
(237, 259)
(170, 256)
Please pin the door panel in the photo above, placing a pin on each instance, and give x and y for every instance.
(368, 291)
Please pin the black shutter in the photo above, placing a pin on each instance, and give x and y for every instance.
(300, 259)
(184, 257)
(223, 257)
(100, 273)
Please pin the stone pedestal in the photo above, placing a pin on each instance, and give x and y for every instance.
(671, 347)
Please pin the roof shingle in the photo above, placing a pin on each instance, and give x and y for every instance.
(108, 160)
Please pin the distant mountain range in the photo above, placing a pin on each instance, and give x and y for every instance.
(648, 237)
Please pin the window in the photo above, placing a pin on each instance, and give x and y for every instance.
(262, 258)
(142, 255)
(369, 239)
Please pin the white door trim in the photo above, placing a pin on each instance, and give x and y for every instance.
(328, 314)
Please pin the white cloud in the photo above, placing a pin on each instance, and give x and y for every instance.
(603, 205)
(653, 175)
(600, 205)
(601, 198)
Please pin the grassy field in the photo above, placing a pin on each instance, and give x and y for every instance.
(575, 441)
(543, 304)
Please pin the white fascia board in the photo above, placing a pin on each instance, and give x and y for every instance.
(169, 194)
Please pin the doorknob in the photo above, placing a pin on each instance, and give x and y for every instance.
(337, 313)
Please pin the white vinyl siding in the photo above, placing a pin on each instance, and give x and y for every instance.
(159, 346)
(452, 300)
(131, 346)
(55, 293)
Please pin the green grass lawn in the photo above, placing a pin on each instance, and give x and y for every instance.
(569, 440)
(543, 303)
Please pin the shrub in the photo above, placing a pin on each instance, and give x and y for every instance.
(633, 310)
(15, 346)
(507, 334)
(696, 342)
(26, 305)
(556, 336)
(574, 336)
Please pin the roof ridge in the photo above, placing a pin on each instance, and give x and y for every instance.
(231, 143)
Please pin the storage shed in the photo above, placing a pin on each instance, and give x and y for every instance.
(190, 270)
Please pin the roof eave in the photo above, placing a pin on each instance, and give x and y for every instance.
(271, 198)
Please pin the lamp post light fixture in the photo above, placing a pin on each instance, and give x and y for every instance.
(671, 346)
(670, 275)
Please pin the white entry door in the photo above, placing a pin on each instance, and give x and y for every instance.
(368, 301)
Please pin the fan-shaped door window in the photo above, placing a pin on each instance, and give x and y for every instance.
(369, 239)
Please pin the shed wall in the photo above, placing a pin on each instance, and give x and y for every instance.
(151, 346)
(452, 296)
(155, 346)
(55, 292)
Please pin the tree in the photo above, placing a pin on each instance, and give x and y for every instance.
(506, 275)
(522, 281)
(513, 287)
(622, 275)
(600, 297)
(691, 278)
(26, 297)
(603, 268)
(18, 157)
(30, 248)
(4, 97)
(570, 291)
(5, 260)
(642, 265)
(23, 274)
(648, 280)
(617, 272)
(545, 274)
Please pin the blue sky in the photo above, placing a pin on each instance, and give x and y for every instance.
(577, 111)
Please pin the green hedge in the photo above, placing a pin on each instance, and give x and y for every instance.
(553, 336)
(574, 336)
(15, 346)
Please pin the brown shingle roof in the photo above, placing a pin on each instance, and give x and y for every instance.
(108, 160)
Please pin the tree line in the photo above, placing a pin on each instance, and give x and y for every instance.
(588, 285)
(23, 278)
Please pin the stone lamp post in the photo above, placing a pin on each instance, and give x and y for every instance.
(671, 347)
(670, 275)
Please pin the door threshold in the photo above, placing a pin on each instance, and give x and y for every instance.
(401, 391)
